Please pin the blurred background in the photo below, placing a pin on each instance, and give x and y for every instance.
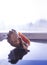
(18, 12)
(24, 16)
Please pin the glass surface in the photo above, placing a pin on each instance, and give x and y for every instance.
(37, 54)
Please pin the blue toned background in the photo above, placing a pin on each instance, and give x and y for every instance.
(26, 62)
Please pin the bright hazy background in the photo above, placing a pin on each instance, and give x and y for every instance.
(13, 12)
